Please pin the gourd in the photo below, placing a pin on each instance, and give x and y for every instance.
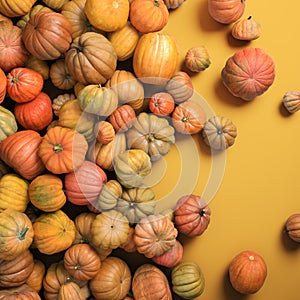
(69, 291)
(173, 4)
(292, 227)
(291, 101)
(197, 59)
(246, 30)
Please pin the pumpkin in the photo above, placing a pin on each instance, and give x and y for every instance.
(192, 215)
(136, 203)
(8, 123)
(291, 101)
(197, 59)
(188, 117)
(248, 73)
(46, 192)
(104, 132)
(131, 166)
(180, 87)
(56, 5)
(109, 230)
(154, 235)
(112, 281)
(161, 104)
(20, 151)
(32, 212)
(53, 232)
(98, 58)
(152, 134)
(155, 58)
(173, 4)
(23, 292)
(4, 169)
(83, 223)
(98, 100)
(103, 252)
(124, 41)
(128, 88)
(16, 234)
(15, 272)
(60, 76)
(13, 53)
(35, 279)
(292, 227)
(129, 245)
(122, 118)
(246, 30)
(148, 15)
(71, 116)
(69, 291)
(226, 11)
(188, 281)
(38, 65)
(58, 101)
(13, 192)
(247, 272)
(3, 84)
(35, 114)
(149, 282)
(62, 150)
(219, 133)
(99, 14)
(47, 35)
(109, 195)
(171, 257)
(12, 9)
(84, 185)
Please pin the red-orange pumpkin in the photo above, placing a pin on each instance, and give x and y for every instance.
(161, 104)
(122, 118)
(3, 84)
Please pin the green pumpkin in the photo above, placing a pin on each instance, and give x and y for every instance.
(187, 280)
(291, 101)
(8, 124)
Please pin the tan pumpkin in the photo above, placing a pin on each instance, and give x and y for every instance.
(291, 101)
(292, 227)
(197, 59)
(246, 30)
(8, 122)
(69, 291)
(23, 292)
(39, 66)
(55, 4)
(35, 279)
(173, 4)
(83, 223)
(12, 9)
(129, 245)
(104, 132)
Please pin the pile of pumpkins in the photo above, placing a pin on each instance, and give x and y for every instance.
(89, 148)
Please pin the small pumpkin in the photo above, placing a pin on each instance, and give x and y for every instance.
(292, 227)
(83, 223)
(246, 30)
(197, 59)
(161, 104)
(122, 118)
(39, 66)
(188, 281)
(58, 101)
(23, 292)
(35, 279)
(247, 272)
(291, 101)
(219, 133)
(248, 73)
(192, 215)
(8, 123)
(173, 4)
(104, 132)
(69, 291)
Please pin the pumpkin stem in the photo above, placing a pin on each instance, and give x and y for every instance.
(150, 137)
(156, 2)
(202, 212)
(185, 119)
(249, 17)
(57, 148)
(15, 79)
(22, 233)
(77, 267)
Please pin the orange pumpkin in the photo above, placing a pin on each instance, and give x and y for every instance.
(23, 292)
(3, 84)
(69, 291)
(104, 132)
(246, 30)
(161, 104)
(83, 223)
(122, 118)
(292, 227)
(35, 279)
(59, 101)
(12, 9)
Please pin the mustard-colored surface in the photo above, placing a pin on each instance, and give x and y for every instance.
(260, 186)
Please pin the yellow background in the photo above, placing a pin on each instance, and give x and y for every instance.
(260, 186)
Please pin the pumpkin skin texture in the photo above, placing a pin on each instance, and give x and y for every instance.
(39, 66)
(99, 14)
(155, 58)
(47, 44)
(187, 280)
(3, 84)
(154, 235)
(122, 118)
(8, 123)
(35, 114)
(113, 280)
(35, 279)
(247, 272)
(291, 101)
(219, 133)
(148, 15)
(12, 9)
(248, 73)
(246, 30)
(161, 104)
(70, 291)
(54, 4)
(13, 52)
(24, 84)
(83, 223)
(129, 245)
(20, 151)
(292, 227)
(226, 11)
(23, 292)
(150, 283)
(91, 58)
(53, 232)
(104, 132)
(16, 234)
(58, 102)
(173, 4)
(62, 150)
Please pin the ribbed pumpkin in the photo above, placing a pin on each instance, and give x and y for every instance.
(58, 102)
(3, 84)
(62, 150)
(173, 4)
(53, 232)
(161, 104)
(246, 30)
(292, 227)
(112, 281)
(55, 4)
(47, 35)
(20, 151)
(155, 58)
(122, 118)
(197, 59)
(46, 192)
(69, 291)
(291, 101)
(8, 123)
(38, 65)
(4, 169)
(13, 192)
(35, 279)
(98, 58)
(248, 73)
(23, 292)
(16, 234)
(188, 281)
(154, 235)
(83, 223)
(104, 132)
(129, 244)
(11, 8)
(149, 282)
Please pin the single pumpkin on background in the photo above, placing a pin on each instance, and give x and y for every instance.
(292, 227)
(122, 118)
(291, 101)
(246, 30)
(197, 59)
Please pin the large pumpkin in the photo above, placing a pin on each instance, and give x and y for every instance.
(155, 58)
(20, 151)
(248, 73)
(47, 35)
(8, 123)
(11, 8)
(24, 292)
